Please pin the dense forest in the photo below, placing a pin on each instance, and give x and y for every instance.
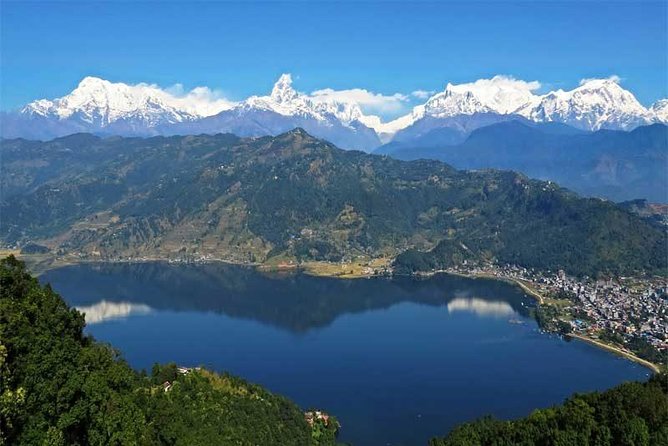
(294, 197)
(59, 386)
(632, 414)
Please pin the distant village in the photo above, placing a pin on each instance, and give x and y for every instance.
(622, 310)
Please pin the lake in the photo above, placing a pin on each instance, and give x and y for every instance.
(396, 360)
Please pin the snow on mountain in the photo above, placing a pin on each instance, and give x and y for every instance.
(101, 102)
(595, 104)
(660, 111)
(286, 101)
(387, 130)
(501, 94)
(340, 122)
(99, 106)
(464, 107)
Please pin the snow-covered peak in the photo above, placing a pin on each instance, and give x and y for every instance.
(660, 110)
(595, 104)
(287, 101)
(606, 91)
(598, 83)
(100, 103)
(283, 91)
(90, 82)
(386, 130)
(500, 94)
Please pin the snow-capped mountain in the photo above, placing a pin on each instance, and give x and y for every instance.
(99, 106)
(465, 107)
(286, 101)
(660, 110)
(284, 109)
(103, 107)
(501, 94)
(595, 104)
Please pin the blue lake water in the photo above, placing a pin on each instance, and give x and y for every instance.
(398, 361)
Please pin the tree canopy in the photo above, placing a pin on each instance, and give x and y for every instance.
(632, 414)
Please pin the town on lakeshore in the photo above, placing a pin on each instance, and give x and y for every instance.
(626, 314)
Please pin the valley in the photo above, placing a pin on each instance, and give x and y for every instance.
(366, 223)
(297, 203)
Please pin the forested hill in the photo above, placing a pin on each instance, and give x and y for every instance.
(60, 387)
(294, 197)
(632, 414)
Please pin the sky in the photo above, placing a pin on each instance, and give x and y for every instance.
(388, 48)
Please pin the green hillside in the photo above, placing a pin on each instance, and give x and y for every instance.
(300, 198)
(632, 414)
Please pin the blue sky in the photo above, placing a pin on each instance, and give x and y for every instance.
(241, 48)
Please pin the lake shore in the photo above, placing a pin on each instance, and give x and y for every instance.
(526, 287)
(353, 270)
(616, 350)
(40, 263)
(588, 339)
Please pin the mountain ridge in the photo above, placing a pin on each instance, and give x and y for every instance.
(298, 198)
(612, 164)
(106, 108)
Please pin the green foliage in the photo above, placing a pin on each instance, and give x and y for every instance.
(60, 387)
(548, 229)
(164, 373)
(11, 400)
(324, 433)
(612, 336)
(202, 409)
(644, 349)
(547, 317)
(632, 414)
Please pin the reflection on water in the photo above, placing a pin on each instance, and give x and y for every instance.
(107, 310)
(481, 307)
(397, 360)
(294, 302)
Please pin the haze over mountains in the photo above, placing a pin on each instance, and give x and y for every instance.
(105, 108)
(611, 164)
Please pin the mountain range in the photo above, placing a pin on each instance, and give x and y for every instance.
(612, 164)
(105, 108)
(293, 197)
